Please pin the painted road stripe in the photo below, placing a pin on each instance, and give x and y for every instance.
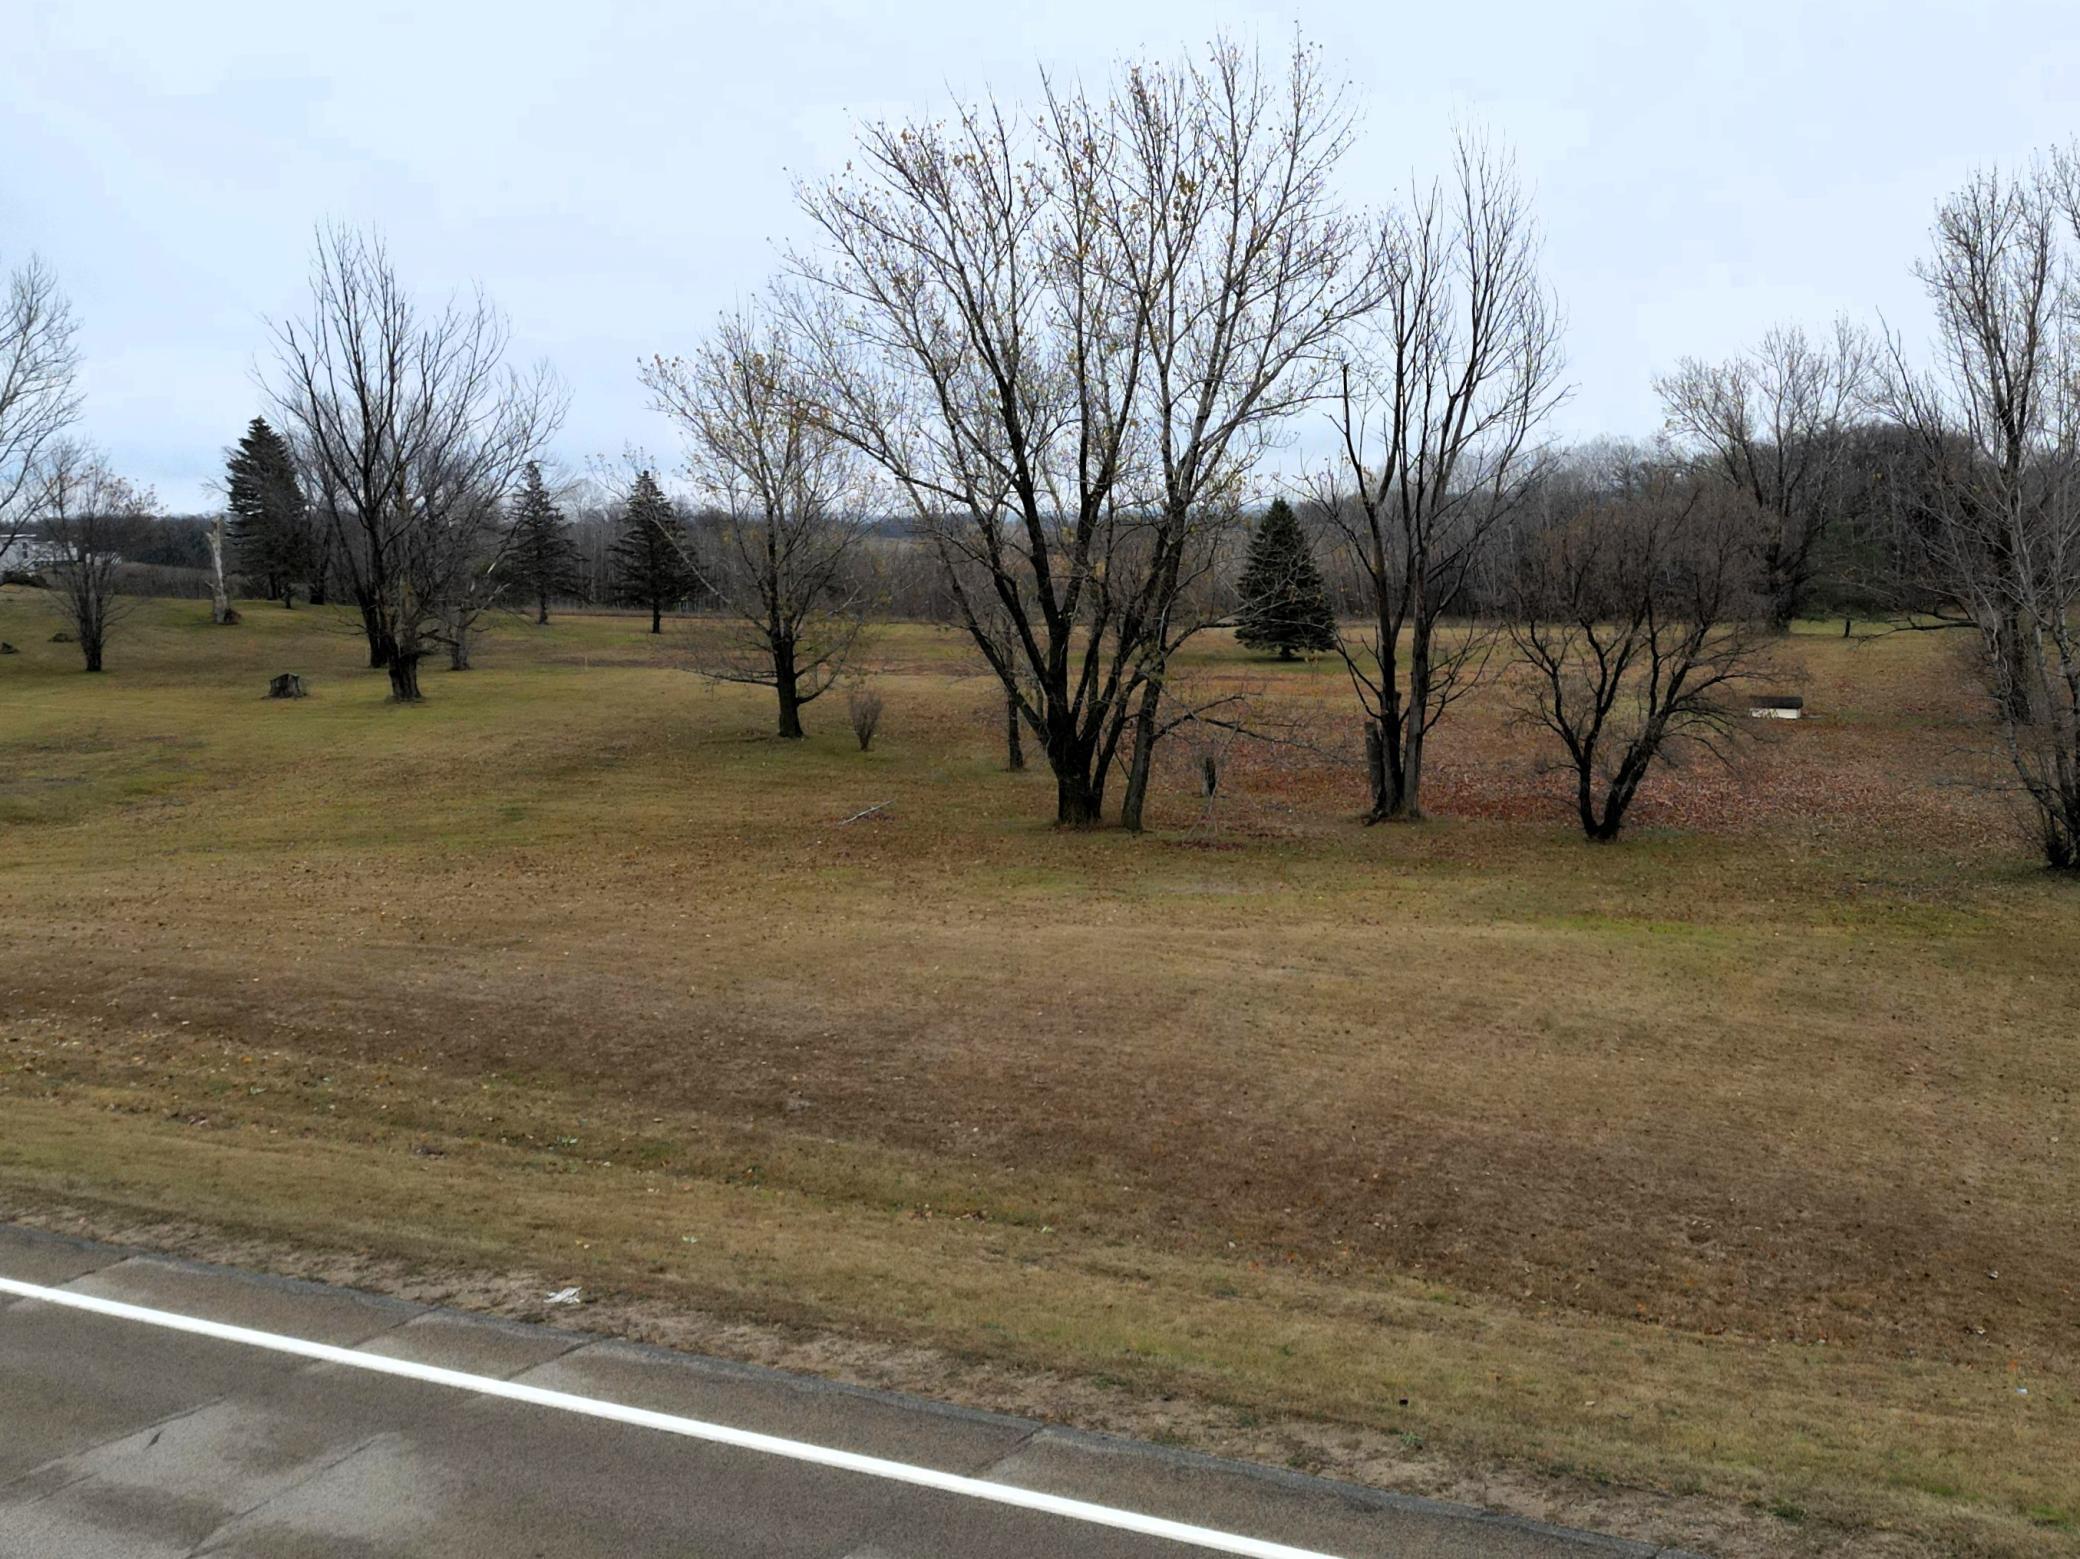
(670, 1423)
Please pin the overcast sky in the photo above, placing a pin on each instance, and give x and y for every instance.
(614, 173)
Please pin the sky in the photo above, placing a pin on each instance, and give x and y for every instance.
(614, 174)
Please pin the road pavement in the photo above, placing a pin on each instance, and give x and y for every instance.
(121, 1437)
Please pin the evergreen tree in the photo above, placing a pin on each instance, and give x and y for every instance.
(1284, 603)
(649, 556)
(270, 523)
(543, 557)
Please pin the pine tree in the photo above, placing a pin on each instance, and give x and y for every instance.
(649, 556)
(270, 523)
(543, 558)
(1284, 603)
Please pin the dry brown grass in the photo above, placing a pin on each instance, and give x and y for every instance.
(1685, 1164)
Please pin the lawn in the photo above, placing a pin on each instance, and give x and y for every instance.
(1718, 1185)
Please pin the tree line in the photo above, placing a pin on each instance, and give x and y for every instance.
(1058, 343)
(544, 544)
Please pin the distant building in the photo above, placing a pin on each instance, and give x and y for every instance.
(26, 554)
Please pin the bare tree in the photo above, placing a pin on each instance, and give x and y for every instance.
(86, 514)
(1996, 529)
(219, 592)
(1633, 604)
(1244, 268)
(794, 507)
(1438, 412)
(39, 358)
(1067, 342)
(1779, 423)
(987, 618)
(413, 428)
(477, 580)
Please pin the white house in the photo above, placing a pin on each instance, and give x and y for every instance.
(26, 554)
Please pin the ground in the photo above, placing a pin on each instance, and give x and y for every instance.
(1717, 1185)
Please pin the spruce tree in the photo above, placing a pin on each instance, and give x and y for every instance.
(1284, 603)
(543, 557)
(270, 523)
(649, 556)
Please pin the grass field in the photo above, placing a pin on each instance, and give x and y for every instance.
(1720, 1185)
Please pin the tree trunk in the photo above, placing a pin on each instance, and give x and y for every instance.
(1394, 763)
(1079, 801)
(1585, 794)
(1078, 768)
(656, 617)
(1780, 588)
(1405, 805)
(1136, 797)
(90, 649)
(381, 643)
(1388, 743)
(1405, 732)
(1624, 786)
(787, 685)
(542, 616)
(404, 676)
(2061, 835)
(289, 595)
(1014, 742)
(2016, 675)
(219, 596)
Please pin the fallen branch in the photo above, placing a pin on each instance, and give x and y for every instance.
(870, 811)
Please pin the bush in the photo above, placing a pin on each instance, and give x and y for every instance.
(864, 705)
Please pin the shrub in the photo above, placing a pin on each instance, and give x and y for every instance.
(864, 705)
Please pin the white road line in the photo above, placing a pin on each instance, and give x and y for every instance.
(670, 1423)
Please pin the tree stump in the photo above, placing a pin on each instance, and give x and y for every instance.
(287, 685)
(8, 649)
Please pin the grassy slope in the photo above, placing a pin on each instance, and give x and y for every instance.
(1685, 1163)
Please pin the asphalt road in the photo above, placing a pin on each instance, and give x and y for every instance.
(127, 1440)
